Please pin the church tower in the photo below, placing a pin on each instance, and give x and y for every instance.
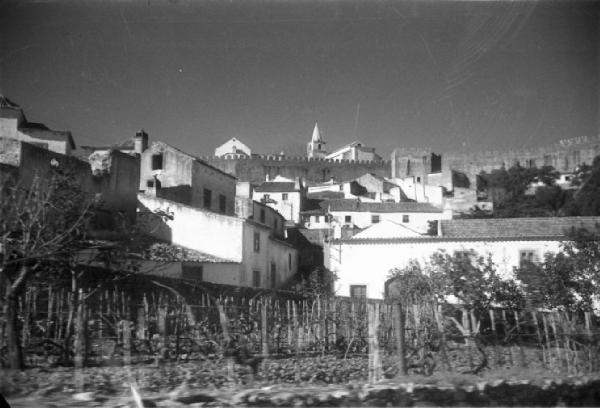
(316, 146)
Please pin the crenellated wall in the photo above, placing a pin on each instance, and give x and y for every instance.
(314, 170)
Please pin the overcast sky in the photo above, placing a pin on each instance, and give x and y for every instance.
(445, 75)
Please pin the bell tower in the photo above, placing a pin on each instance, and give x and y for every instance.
(316, 146)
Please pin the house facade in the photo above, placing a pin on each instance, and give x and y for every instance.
(364, 261)
(14, 125)
(283, 195)
(253, 251)
(233, 148)
(354, 151)
(167, 172)
(355, 213)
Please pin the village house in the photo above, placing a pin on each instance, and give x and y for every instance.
(284, 195)
(364, 261)
(249, 251)
(170, 173)
(233, 148)
(14, 125)
(354, 151)
(355, 213)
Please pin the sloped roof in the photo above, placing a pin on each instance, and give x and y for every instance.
(316, 135)
(127, 144)
(353, 205)
(387, 229)
(327, 194)
(276, 187)
(165, 252)
(537, 227)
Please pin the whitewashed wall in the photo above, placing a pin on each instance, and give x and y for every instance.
(369, 263)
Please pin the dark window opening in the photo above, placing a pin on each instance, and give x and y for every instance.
(207, 197)
(290, 261)
(527, 256)
(348, 219)
(262, 215)
(358, 291)
(374, 219)
(284, 196)
(157, 161)
(150, 183)
(193, 272)
(222, 204)
(256, 242)
(256, 278)
(273, 275)
(405, 218)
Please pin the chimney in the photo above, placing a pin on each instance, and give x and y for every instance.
(140, 141)
(297, 185)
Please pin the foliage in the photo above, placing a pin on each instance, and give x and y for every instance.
(320, 282)
(586, 201)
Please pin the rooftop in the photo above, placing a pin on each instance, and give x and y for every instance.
(352, 205)
(538, 227)
(272, 187)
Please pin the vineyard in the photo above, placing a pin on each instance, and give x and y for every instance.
(144, 321)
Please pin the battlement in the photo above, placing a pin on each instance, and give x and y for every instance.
(290, 159)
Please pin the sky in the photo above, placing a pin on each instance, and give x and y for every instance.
(451, 76)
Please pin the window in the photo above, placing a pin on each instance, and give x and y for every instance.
(150, 183)
(256, 278)
(358, 291)
(266, 197)
(256, 242)
(273, 275)
(317, 218)
(374, 219)
(192, 271)
(290, 261)
(284, 196)
(462, 255)
(348, 219)
(405, 218)
(418, 179)
(262, 215)
(157, 161)
(222, 204)
(207, 197)
(527, 256)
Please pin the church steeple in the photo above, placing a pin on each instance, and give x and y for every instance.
(316, 146)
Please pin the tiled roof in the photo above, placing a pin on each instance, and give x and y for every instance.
(514, 227)
(165, 252)
(387, 207)
(270, 187)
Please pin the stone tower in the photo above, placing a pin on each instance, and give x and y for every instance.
(316, 146)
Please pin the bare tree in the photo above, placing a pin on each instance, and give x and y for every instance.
(40, 223)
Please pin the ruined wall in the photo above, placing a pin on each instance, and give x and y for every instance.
(256, 169)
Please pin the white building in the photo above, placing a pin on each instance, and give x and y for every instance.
(354, 151)
(233, 148)
(363, 262)
(356, 213)
(284, 195)
(251, 251)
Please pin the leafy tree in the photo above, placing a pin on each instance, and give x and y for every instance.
(586, 200)
(320, 282)
(568, 279)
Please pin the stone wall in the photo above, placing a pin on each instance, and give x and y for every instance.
(257, 168)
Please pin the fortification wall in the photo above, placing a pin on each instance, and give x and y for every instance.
(314, 170)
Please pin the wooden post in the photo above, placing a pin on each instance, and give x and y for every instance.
(555, 334)
(505, 330)
(539, 337)
(126, 328)
(373, 329)
(79, 341)
(399, 327)
(49, 324)
(263, 329)
(521, 351)
(590, 338)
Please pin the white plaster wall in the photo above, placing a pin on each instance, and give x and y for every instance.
(9, 128)
(230, 147)
(369, 264)
(205, 231)
(290, 208)
(417, 221)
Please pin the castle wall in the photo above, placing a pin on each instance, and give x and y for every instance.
(256, 169)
